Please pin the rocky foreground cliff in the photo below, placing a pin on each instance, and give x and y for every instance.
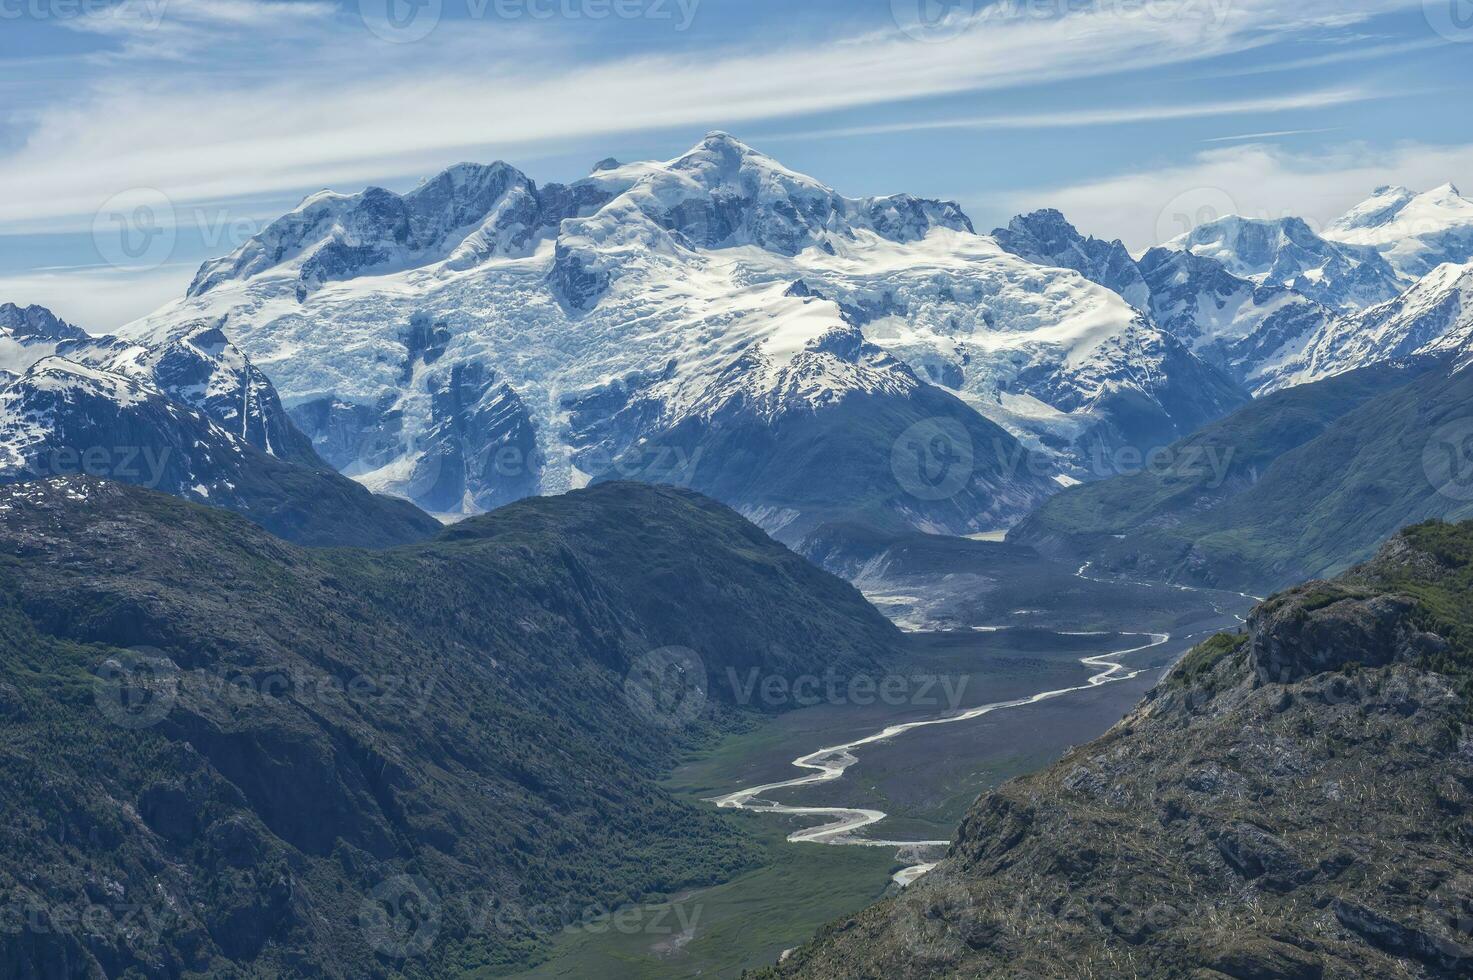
(1293, 801)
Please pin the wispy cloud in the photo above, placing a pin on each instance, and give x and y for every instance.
(1269, 135)
(325, 112)
(98, 298)
(1350, 55)
(178, 30)
(1105, 117)
(1259, 181)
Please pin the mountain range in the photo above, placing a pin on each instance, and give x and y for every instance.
(720, 322)
(1274, 304)
(648, 379)
(187, 414)
(482, 337)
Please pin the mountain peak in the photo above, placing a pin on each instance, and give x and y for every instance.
(1046, 237)
(36, 323)
(466, 212)
(1050, 219)
(1287, 252)
(722, 158)
(1416, 232)
(1394, 191)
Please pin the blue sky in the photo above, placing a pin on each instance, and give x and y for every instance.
(1126, 114)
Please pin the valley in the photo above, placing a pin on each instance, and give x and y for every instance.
(978, 705)
(689, 565)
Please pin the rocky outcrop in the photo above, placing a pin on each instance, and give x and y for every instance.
(1046, 237)
(1292, 802)
(1323, 627)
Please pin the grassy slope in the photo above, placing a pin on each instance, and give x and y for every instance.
(1318, 476)
(505, 767)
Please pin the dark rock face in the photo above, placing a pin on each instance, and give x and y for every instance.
(37, 323)
(1047, 238)
(575, 278)
(482, 443)
(352, 437)
(199, 367)
(1320, 629)
(1296, 802)
(425, 343)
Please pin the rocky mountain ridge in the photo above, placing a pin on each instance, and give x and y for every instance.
(1293, 801)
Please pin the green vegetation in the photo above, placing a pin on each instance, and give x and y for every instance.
(1205, 657)
(745, 923)
(336, 720)
(1443, 589)
(925, 781)
(1308, 818)
(1319, 476)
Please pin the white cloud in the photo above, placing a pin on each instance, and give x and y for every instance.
(97, 299)
(336, 109)
(1108, 117)
(177, 30)
(1243, 137)
(1260, 181)
(1369, 53)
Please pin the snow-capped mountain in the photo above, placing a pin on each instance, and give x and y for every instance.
(1245, 328)
(697, 320)
(1273, 304)
(31, 333)
(1240, 326)
(1047, 238)
(192, 364)
(1286, 252)
(465, 215)
(187, 414)
(1415, 232)
(1433, 318)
